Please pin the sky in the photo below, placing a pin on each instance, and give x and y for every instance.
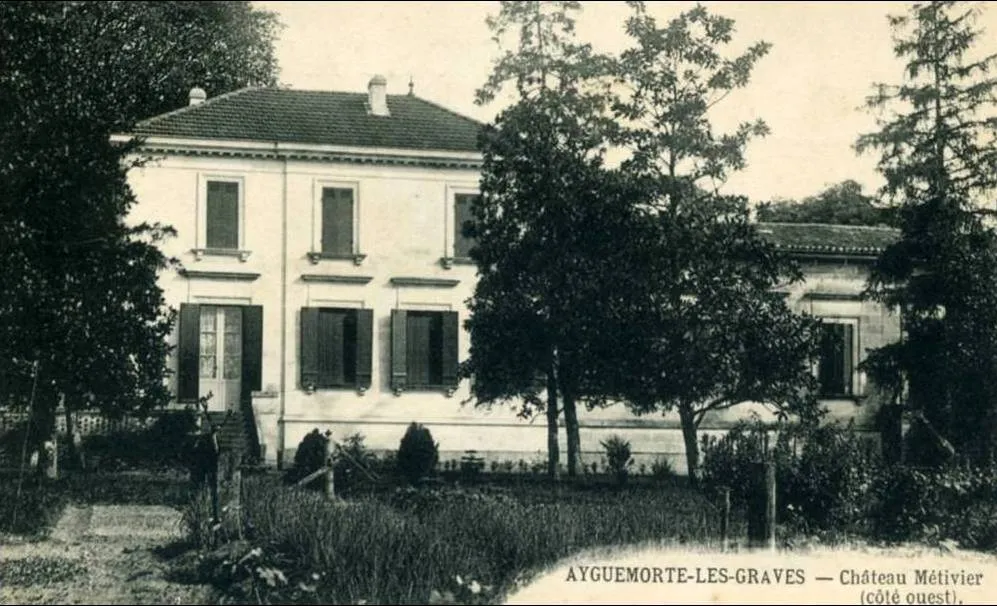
(809, 89)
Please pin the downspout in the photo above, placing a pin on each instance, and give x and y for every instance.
(283, 309)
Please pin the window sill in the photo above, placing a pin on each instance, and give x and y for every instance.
(311, 388)
(200, 253)
(315, 257)
(447, 390)
(449, 262)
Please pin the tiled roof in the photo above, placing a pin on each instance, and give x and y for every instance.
(824, 239)
(318, 117)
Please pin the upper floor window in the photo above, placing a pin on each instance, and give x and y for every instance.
(463, 213)
(221, 228)
(336, 230)
(836, 362)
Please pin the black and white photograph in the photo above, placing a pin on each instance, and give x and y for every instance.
(518, 302)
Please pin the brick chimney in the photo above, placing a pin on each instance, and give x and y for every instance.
(197, 96)
(377, 96)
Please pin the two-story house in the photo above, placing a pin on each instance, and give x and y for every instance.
(324, 273)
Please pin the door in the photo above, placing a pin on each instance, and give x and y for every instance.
(221, 356)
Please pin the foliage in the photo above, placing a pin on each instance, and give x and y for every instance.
(417, 454)
(936, 137)
(954, 503)
(164, 444)
(422, 544)
(840, 204)
(662, 468)
(619, 458)
(309, 457)
(81, 313)
(824, 474)
(354, 463)
(704, 329)
(548, 225)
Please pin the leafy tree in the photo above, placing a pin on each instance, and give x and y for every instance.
(707, 331)
(81, 315)
(840, 204)
(548, 225)
(939, 159)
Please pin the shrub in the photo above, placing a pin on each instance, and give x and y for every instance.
(309, 457)
(417, 453)
(662, 468)
(619, 458)
(354, 463)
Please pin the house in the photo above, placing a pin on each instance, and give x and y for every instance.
(324, 274)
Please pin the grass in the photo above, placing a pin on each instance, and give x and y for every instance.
(42, 501)
(441, 544)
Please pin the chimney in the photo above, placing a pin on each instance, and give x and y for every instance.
(197, 96)
(377, 96)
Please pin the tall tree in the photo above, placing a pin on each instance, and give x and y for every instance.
(710, 331)
(82, 319)
(547, 225)
(938, 146)
(840, 204)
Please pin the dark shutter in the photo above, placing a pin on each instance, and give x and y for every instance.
(222, 214)
(847, 358)
(189, 353)
(330, 347)
(364, 347)
(252, 348)
(399, 374)
(337, 221)
(309, 346)
(418, 351)
(451, 331)
(463, 213)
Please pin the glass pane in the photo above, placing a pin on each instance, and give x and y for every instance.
(233, 366)
(208, 367)
(208, 344)
(207, 319)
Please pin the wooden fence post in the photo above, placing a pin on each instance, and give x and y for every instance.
(761, 506)
(725, 520)
(330, 487)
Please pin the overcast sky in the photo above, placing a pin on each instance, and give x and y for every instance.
(824, 60)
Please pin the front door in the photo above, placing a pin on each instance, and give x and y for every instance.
(221, 356)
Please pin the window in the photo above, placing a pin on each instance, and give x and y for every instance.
(463, 213)
(836, 364)
(423, 350)
(220, 350)
(336, 348)
(336, 231)
(222, 215)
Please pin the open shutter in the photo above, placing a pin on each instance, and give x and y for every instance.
(252, 348)
(364, 344)
(309, 346)
(849, 347)
(189, 353)
(451, 330)
(399, 374)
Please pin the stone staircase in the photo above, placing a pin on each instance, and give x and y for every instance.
(237, 433)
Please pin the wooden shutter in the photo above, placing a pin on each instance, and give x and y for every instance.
(252, 348)
(461, 214)
(399, 374)
(848, 359)
(222, 215)
(309, 346)
(189, 353)
(364, 347)
(337, 221)
(451, 341)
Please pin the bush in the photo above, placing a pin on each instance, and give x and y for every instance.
(619, 458)
(417, 454)
(309, 457)
(354, 463)
(662, 468)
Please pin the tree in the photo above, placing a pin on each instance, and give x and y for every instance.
(708, 331)
(547, 226)
(840, 204)
(939, 159)
(82, 319)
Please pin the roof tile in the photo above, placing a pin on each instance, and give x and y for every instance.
(818, 238)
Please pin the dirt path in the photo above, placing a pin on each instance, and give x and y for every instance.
(102, 554)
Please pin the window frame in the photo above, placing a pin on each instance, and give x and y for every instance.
(857, 387)
(453, 190)
(315, 254)
(448, 352)
(201, 239)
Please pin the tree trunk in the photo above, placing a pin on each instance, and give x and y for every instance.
(553, 450)
(688, 419)
(571, 427)
(42, 423)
